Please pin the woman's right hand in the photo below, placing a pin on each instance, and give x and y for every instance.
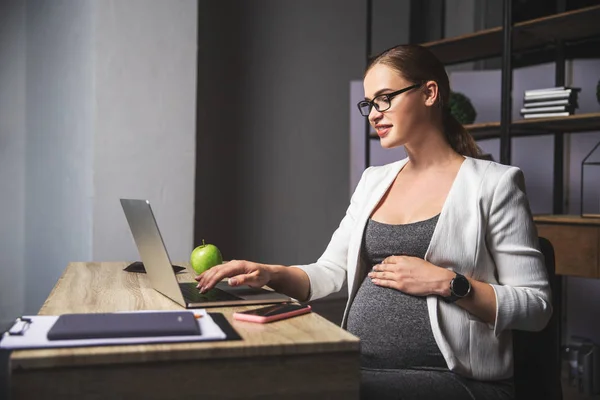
(239, 273)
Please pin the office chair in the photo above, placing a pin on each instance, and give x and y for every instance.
(537, 355)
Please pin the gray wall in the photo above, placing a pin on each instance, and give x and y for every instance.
(59, 106)
(273, 151)
(12, 158)
(460, 18)
(97, 102)
(390, 24)
(145, 94)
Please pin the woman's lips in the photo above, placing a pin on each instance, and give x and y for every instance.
(383, 130)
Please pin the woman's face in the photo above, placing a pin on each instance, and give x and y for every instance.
(400, 123)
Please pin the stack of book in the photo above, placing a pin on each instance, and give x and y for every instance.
(550, 102)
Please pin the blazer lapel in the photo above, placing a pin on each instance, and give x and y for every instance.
(457, 214)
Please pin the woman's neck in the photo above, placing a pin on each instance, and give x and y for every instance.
(433, 150)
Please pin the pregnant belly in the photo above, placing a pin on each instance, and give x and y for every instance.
(393, 328)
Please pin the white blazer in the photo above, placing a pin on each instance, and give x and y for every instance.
(485, 231)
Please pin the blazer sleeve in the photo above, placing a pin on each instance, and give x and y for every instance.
(523, 291)
(328, 274)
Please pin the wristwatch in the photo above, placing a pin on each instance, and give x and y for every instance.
(460, 287)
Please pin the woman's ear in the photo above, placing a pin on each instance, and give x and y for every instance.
(431, 91)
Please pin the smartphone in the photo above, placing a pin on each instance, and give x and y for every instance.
(272, 313)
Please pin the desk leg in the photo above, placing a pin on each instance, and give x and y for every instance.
(4, 373)
(312, 376)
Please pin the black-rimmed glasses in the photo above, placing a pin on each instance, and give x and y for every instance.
(382, 102)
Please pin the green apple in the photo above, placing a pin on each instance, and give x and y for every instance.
(204, 257)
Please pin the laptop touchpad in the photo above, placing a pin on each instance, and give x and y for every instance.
(246, 292)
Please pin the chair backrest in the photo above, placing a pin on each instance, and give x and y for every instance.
(537, 355)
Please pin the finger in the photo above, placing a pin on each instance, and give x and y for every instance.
(244, 279)
(207, 275)
(224, 271)
(208, 272)
(391, 267)
(209, 278)
(206, 281)
(203, 277)
(393, 259)
(380, 275)
(388, 283)
(380, 267)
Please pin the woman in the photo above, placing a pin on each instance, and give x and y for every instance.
(439, 249)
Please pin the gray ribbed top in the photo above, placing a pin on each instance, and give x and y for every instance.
(394, 327)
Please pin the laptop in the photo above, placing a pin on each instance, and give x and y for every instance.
(158, 266)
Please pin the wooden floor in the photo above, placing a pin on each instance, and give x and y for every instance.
(571, 392)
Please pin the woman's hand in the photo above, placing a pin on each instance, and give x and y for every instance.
(418, 277)
(239, 273)
(412, 275)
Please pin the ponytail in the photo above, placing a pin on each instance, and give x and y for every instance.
(460, 140)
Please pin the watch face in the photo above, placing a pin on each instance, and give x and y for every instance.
(460, 286)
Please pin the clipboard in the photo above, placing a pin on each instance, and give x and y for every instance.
(30, 332)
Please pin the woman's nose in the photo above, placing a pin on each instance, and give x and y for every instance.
(374, 115)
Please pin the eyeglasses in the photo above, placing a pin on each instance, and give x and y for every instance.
(382, 102)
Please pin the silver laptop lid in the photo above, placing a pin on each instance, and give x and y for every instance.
(152, 249)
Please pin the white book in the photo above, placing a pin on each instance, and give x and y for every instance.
(552, 89)
(547, 115)
(532, 110)
(560, 102)
(548, 96)
(536, 92)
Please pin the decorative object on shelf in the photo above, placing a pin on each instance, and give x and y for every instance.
(583, 356)
(560, 101)
(598, 92)
(590, 206)
(461, 108)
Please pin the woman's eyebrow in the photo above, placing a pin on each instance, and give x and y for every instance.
(377, 93)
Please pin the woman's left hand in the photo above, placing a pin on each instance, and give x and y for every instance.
(412, 275)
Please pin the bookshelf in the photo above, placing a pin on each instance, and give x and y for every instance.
(528, 127)
(568, 26)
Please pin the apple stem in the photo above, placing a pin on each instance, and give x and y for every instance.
(203, 243)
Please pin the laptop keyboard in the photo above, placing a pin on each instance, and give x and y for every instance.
(192, 295)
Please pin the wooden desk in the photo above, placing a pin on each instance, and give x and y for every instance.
(306, 357)
(576, 242)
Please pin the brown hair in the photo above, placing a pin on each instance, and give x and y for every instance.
(417, 64)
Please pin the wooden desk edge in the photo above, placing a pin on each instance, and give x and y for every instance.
(570, 261)
(71, 357)
(554, 219)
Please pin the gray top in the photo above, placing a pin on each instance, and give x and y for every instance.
(394, 327)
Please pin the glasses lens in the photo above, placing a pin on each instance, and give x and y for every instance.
(382, 103)
(364, 107)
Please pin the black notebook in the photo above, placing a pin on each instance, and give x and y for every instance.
(124, 325)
